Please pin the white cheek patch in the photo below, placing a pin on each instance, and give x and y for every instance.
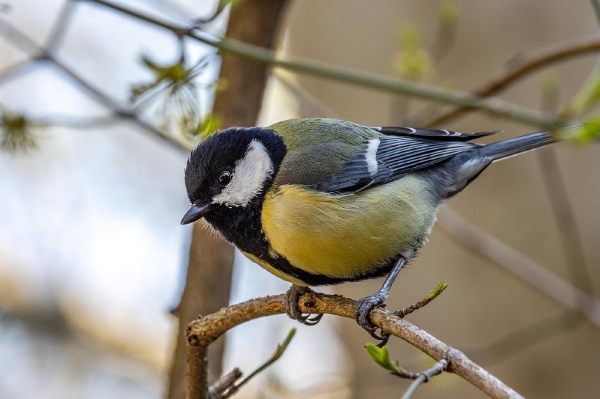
(248, 178)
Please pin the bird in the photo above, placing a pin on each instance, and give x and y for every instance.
(320, 201)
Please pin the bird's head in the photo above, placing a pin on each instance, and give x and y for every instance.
(230, 169)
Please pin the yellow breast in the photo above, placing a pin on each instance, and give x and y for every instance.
(346, 236)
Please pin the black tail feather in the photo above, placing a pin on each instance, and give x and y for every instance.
(511, 147)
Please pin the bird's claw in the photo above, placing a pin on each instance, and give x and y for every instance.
(362, 316)
(293, 310)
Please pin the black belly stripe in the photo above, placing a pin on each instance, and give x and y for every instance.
(284, 266)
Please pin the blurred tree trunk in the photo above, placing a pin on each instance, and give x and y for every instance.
(208, 279)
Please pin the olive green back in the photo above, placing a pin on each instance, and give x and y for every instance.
(318, 148)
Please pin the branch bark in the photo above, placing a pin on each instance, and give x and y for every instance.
(210, 266)
(203, 332)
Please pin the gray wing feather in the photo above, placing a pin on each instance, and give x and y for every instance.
(403, 155)
(395, 156)
(355, 176)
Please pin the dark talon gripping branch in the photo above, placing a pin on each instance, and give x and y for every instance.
(293, 310)
(367, 304)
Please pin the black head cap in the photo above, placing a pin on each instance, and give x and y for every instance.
(218, 155)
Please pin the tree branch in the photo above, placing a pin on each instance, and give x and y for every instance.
(517, 68)
(217, 389)
(425, 376)
(14, 71)
(42, 55)
(204, 331)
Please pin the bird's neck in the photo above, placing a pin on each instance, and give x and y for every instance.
(241, 226)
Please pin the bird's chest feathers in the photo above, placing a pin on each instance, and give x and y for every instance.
(345, 236)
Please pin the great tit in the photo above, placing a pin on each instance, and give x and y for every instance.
(323, 201)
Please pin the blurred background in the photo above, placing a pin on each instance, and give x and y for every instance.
(100, 109)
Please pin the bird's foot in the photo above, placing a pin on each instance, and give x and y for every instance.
(362, 315)
(293, 310)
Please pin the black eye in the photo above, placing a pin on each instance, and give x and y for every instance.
(224, 178)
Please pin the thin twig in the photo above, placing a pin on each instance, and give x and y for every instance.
(15, 70)
(518, 68)
(278, 353)
(425, 376)
(206, 330)
(415, 306)
(494, 106)
(418, 305)
(60, 26)
(224, 383)
(25, 43)
(175, 141)
(381, 356)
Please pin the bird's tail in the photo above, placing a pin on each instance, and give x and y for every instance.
(508, 148)
(465, 167)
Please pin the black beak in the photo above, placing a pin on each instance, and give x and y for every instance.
(195, 212)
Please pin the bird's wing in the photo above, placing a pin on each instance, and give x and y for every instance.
(390, 157)
(433, 134)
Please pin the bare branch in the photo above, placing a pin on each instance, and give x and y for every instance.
(381, 356)
(415, 306)
(15, 70)
(425, 376)
(177, 142)
(418, 305)
(206, 330)
(278, 353)
(25, 43)
(519, 67)
(215, 391)
(60, 26)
